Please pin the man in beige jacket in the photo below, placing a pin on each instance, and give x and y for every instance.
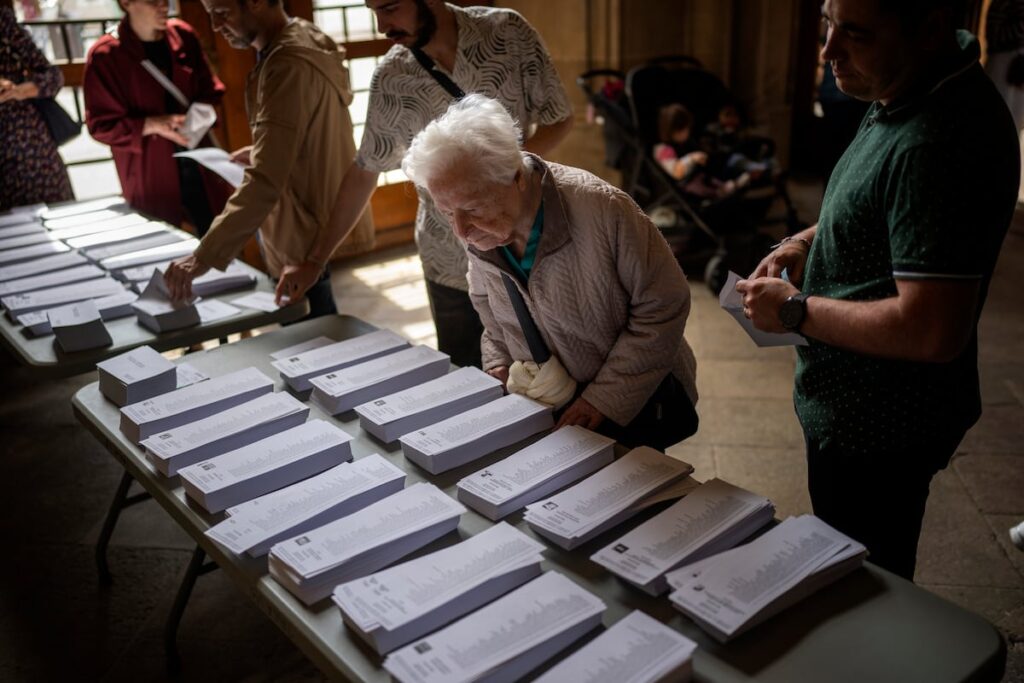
(297, 97)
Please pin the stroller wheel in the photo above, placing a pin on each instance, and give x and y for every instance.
(716, 272)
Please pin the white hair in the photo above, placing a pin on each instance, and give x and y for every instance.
(475, 130)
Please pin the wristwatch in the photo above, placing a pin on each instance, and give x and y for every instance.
(793, 311)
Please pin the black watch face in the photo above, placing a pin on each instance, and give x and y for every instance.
(791, 314)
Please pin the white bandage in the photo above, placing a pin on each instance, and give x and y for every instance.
(549, 383)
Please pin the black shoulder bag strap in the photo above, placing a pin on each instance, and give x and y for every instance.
(448, 84)
(538, 349)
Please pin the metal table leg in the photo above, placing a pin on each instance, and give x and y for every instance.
(121, 501)
(196, 568)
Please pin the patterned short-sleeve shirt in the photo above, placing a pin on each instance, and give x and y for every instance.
(926, 190)
(499, 55)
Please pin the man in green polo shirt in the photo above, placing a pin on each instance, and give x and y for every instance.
(893, 277)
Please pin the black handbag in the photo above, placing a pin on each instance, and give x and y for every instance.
(62, 127)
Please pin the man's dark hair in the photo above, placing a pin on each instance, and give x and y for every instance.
(913, 13)
(673, 117)
(272, 3)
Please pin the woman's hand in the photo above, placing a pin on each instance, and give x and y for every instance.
(14, 92)
(179, 275)
(166, 126)
(500, 373)
(295, 281)
(581, 413)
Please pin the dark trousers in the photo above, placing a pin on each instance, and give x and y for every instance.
(193, 195)
(458, 326)
(667, 418)
(321, 301)
(877, 499)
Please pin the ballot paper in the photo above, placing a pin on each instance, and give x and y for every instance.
(398, 605)
(475, 433)
(394, 415)
(188, 375)
(212, 310)
(199, 119)
(637, 649)
(729, 593)
(151, 241)
(344, 389)
(504, 640)
(302, 347)
(19, 229)
(255, 526)
(51, 297)
(82, 207)
(54, 279)
(108, 225)
(266, 465)
(218, 161)
(158, 414)
(559, 459)
(16, 217)
(47, 264)
(32, 252)
(732, 301)
(714, 517)
(78, 327)
(299, 369)
(310, 565)
(140, 273)
(37, 323)
(168, 252)
(81, 218)
(24, 240)
(225, 431)
(261, 301)
(130, 233)
(158, 313)
(136, 375)
(605, 498)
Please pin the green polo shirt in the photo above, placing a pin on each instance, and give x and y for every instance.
(926, 190)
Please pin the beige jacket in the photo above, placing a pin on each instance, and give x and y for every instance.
(609, 298)
(297, 97)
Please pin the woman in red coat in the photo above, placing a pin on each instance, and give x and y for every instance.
(126, 108)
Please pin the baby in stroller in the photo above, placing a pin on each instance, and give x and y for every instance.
(734, 153)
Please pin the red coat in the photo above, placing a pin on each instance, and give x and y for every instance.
(120, 94)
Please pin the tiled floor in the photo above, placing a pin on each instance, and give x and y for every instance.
(55, 624)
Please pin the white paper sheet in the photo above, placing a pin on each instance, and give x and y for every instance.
(731, 300)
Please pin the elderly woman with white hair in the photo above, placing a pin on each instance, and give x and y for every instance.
(582, 302)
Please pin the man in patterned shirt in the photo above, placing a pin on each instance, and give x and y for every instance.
(894, 276)
(494, 52)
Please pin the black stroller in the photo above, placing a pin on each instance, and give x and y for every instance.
(716, 236)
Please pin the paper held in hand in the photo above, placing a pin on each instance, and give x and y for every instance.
(731, 300)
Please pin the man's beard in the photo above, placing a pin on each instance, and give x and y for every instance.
(427, 25)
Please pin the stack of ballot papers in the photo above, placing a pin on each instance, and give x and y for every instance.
(123, 221)
(637, 649)
(311, 565)
(103, 238)
(729, 593)
(154, 240)
(168, 252)
(54, 279)
(475, 433)
(301, 347)
(297, 370)
(158, 313)
(52, 297)
(228, 430)
(47, 264)
(16, 229)
(398, 605)
(119, 305)
(537, 471)
(32, 252)
(266, 465)
(504, 640)
(75, 213)
(158, 414)
(138, 277)
(24, 240)
(714, 517)
(255, 526)
(78, 327)
(604, 499)
(135, 376)
(397, 414)
(344, 389)
(235, 276)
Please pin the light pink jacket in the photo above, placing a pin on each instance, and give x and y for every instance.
(609, 298)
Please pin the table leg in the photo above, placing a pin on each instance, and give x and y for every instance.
(120, 502)
(196, 568)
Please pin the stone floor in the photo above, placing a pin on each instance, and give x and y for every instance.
(56, 624)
